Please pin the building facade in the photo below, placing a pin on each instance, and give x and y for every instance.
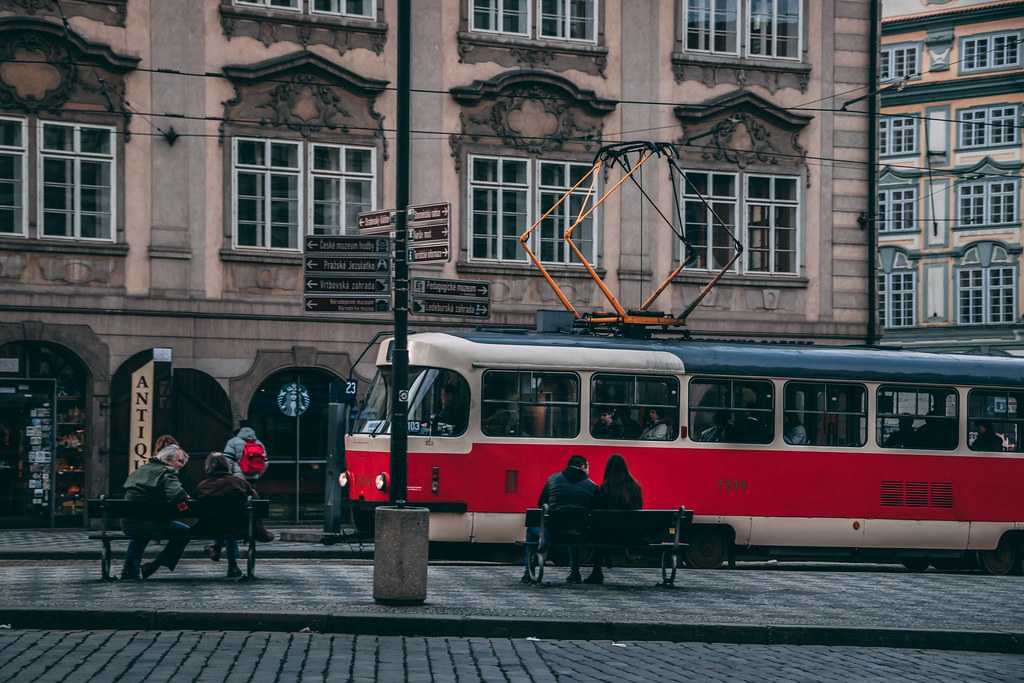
(949, 195)
(161, 162)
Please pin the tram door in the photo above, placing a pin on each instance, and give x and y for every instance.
(289, 414)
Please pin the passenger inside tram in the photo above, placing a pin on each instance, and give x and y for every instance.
(656, 428)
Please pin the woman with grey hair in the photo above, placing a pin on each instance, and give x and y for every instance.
(156, 483)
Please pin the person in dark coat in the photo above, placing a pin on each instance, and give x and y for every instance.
(987, 439)
(570, 489)
(618, 491)
(223, 510)
(157, 484)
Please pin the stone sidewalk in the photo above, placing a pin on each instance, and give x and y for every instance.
(158, 656)
(744, 605)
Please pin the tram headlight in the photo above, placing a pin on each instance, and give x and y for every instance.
(381, 482)
(344, 479)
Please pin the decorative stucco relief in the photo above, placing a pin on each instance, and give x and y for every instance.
(715, 71)
(273, 26)
(743, 130)
(476, 48)
(536, 112)
(43, 67)
(307, 94)
(110, 12)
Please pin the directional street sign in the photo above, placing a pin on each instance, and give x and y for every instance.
(348, 264)
(347, 304)
(429, 233)
(429, 253)
(346, 274)
(465, 298)
(375, 222)
(451, 307)
(348, 245)
(430, 287)
(347, 285)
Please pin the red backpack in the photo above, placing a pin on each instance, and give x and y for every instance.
(254, 459)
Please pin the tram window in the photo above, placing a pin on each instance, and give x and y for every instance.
(911, 417)
(538, 404)
(818, 414)
(995, 420)
(438, 403)
(629, 407)
(731, 411)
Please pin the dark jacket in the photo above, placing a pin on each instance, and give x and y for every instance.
(570, 488)
(157, 484)
(223, 505)
(627, 497)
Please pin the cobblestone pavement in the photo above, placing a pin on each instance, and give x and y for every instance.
(749, 596)
(155, 656)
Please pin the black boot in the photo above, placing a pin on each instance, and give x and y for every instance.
(596, 576)
(149, 568)
(233, 571)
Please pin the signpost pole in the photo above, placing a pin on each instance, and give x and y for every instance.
(400, 362)
(401, 533)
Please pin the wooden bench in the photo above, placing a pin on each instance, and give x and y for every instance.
(109, 509)
(645, 530)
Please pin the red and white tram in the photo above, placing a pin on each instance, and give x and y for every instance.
(816, 450)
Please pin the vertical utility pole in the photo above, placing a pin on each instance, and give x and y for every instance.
(400, 357)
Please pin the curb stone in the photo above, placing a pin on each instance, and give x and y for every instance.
(1005, 642)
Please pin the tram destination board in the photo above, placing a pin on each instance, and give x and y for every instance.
(347, 304)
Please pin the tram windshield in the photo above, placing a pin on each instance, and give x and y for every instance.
(438, 403)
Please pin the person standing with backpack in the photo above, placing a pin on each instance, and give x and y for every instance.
(247, 454)
(247, 457)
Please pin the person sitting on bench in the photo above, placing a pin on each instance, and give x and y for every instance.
(223, 511)
(570, 489)
(619, 491)
(157, 484)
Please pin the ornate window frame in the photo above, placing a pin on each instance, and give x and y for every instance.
(532, 50)
(987, 126)
(304, 26)
(20, 154)
(980, 261)
(741, 68)
(896, 269)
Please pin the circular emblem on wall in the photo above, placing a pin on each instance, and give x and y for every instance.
(293, 399)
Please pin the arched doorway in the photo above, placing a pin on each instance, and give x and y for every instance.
(45, 392)
(192, 406)
(289, 414)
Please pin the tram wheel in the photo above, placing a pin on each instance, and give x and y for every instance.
(1001, 561)
(915, 564)
(707, 549)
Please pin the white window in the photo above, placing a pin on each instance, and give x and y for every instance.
(568, 19)
(897, 135)
(506, 195)
(272, 4)
(897, 210)
(499, 197)
(711, 26)
(986, 296)
(987, 203)
(708, 226)
(500, 16)
(774, 28)
(556, 177)
(76, 181)
(770, 231)
(899, 62)
(896, 294)
(13, 188)
(772, 205)
(341, 186)
(266, 176)
(362, 9)
(999, 51)
(988, 126)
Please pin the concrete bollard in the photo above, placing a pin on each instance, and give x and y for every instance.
(401, 541)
